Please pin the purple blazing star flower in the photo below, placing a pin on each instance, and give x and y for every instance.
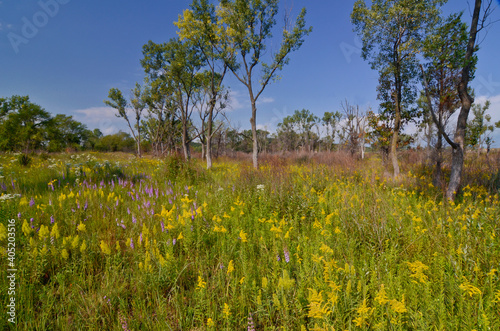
(162, 226)
(134, 220)
(52, 219)
(32, 202)
(132, 243)
(174, 241)
(287, 255)
(18, 215)
(140, 238)
(278, 257)
(250, 326)
(128, 211)
(86, 205)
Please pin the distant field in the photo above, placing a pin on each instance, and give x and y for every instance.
(109, 241)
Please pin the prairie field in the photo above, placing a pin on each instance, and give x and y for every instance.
(114, 242)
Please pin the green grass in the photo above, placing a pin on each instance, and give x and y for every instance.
(291, 247)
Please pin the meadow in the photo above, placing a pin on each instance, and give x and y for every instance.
(113, 242)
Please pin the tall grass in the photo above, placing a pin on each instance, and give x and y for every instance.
(114, 242)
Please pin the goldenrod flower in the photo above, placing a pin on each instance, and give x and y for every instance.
(226, 311)
(81, 227)
(230, 267)
(105, 248)
(83, 247)
(201, 283)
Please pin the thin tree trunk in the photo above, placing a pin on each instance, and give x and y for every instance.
(394, 142)
(436, 181)
(138, 138)
(255, 153)
(457, 162)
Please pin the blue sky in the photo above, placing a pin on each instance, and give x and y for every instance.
(67, 54)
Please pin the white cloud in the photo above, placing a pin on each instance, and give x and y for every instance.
(234, 101)
(102, 118)
(265, 100)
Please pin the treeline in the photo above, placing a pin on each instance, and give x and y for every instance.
(27, 127)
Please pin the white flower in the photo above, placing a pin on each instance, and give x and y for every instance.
(260, 187)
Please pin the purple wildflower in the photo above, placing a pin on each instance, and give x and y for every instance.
(132, 243)
(174, 241)
(134, 220)
(251, 326)
(278, 257)
(128, 211)
(18, 215)
(32, 202)
(162, 226)
(287, 255)
(140, 238)
(52, 219)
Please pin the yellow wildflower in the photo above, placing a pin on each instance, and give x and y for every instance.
(3, 232)
(226, 311)
(83, 247)
(201, 283)
(381, 297)
(230, 267)
(81, 227)
(105, 248)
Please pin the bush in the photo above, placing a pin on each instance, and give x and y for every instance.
(24, 160)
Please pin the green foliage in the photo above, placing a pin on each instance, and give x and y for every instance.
(297, 130)
(24, 160)
(478, 126)
(22, 125)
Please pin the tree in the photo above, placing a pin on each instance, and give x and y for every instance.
(177, 63)
(392, 32)
(22, 124)
(244, 27)
(466, 99)
(199, 25)
(444, 51)
(330, 121)
(475, 135)
(64, 132)
(118, 102)
(353, 130)
(161, 126)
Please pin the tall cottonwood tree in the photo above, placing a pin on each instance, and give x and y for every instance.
(199, 25)
(479, 22)
(444, 51)
(392, 32)
(244, 28)
(177, 63)
(118, 102)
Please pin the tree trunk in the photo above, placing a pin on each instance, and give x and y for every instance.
(457, 162)
(255, 152)
(185, 143)
(394, 141)
(202, 149)
(436, 180)
(138, 138)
